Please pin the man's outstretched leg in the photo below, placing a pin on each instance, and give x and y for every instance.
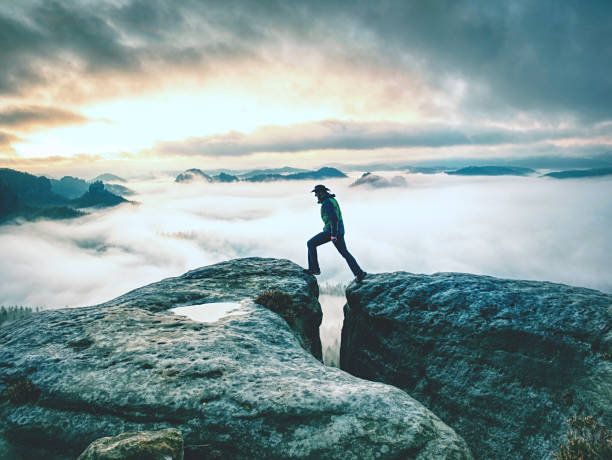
(313, 261)
(352, 263)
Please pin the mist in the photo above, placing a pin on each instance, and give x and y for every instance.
(515, 227)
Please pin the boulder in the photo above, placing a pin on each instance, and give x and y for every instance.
(192, 175)
(235, 280)
(503, 362)
(149, 445)
(243, 386)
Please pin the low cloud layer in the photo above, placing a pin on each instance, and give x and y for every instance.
(342, 135)
(520, 227)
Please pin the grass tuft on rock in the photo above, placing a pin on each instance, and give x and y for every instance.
(279, 302)
(587, 440)
(22, 391)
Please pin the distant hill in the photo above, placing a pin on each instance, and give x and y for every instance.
(193, 174)
(578, 173)
(118, 189)
(223, 177)
(29, 197)
(428, 169)
(322, 173)
(374, 180)
(260, 175)
(492, 171)
(107, 177)
(25, 196)
(265, 178)
(98, 196)
(73, 187)
(29, 188)
(70, 187)
(275, 171)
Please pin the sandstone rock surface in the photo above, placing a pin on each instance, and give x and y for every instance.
(145, 445)
(503, 362)
(235, 280)
(241, 387)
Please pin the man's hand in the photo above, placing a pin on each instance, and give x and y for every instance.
(334, 238)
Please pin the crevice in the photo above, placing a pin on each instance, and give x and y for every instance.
(331, 327)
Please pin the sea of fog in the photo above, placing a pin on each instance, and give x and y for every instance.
(516, 227)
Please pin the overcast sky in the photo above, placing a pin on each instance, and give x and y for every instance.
(154, 84)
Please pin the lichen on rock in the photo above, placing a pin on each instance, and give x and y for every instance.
(150, 445)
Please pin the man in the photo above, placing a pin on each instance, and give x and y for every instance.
(332, 231)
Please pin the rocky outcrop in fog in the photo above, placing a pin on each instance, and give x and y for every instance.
(245, 386)
(376, 181)
(73, 187)
(98, 197)
(505, 363)
(193, 174)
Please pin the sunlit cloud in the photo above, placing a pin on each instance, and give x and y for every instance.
(161, 79)
(6, 149)
(26, 118)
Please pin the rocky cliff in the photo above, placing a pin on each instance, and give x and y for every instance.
(503, 362)
(246, 385)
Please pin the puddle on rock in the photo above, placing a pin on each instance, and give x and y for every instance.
(211, 312)
(329, 331)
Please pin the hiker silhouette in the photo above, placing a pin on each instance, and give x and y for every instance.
(333, 231)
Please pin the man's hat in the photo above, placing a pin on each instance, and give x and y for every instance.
(319, 188)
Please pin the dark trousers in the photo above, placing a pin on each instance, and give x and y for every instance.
(322, 238)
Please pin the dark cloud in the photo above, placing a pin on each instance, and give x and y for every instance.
(44, 41)
(26, 117)
(53, 38)
(332, 134)
(542, 56)
(549, 58)
(19, 44)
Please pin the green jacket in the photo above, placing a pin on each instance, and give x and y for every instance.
(331, 215)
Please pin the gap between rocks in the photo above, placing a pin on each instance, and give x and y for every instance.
(331, 327)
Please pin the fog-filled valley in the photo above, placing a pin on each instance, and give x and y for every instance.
(516, 227)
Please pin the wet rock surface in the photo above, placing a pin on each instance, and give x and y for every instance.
(503, 362)
(236, 280)
(241, 387)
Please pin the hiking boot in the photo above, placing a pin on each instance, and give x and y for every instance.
(308, 271)
(359, 278)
